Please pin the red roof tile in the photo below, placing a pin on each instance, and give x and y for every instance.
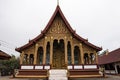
(113, 56)
(58, 11)
(4, 55)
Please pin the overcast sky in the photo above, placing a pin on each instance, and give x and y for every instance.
(97, 20)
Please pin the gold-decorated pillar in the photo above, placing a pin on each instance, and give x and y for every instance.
(28, 59)
(22, 57)
(66, 57)
(51, 50)
(82, 54)
(35, 54)
(72, 51)
(44, 54)
(89, 62)
(96, 57)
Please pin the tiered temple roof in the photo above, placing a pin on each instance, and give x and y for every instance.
(58, 12)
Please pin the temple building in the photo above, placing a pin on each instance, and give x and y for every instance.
(58, 49)
(110, 61)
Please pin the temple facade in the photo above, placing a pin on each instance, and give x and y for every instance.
(58, 47)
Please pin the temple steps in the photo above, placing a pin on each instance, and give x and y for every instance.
(84, 73)
(58, 74)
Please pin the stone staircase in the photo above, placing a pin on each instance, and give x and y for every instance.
(58, 74)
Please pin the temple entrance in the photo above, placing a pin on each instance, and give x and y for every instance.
(58, 55)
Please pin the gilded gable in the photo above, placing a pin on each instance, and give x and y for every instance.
(58, 28)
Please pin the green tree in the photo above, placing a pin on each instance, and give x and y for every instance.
(7, 66)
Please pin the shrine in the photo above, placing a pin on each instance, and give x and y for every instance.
(58, 50)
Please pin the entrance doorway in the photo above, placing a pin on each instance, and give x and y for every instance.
(58, 54)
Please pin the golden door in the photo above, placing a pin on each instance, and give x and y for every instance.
(58, 60)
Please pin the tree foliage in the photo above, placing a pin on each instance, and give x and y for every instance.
(7, 66)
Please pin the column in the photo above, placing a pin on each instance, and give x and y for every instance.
(66, 57)
(44, 54)
(28, 59)
(115, 65)
(35, 54)
(89, 62)
(72, 52)
(82, 54)
(51, 50)
(96, 57)
(21, 57)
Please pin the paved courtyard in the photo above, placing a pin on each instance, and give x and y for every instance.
(108, 77)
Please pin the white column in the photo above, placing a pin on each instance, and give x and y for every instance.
(115, 65)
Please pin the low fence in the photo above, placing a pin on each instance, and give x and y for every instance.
(47, 67)
(82, 67)
(110, 72)
(31, 67)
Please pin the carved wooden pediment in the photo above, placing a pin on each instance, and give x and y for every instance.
(58, 26)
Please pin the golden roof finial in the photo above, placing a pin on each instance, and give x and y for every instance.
(57, 2)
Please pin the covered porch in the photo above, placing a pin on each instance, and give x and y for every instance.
(59, 53)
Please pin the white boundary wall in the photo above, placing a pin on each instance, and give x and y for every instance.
(78, 67)
(110, 71)
(90, 66)
(46, 67)
(27, 67)
(38, 67)
(70, 67)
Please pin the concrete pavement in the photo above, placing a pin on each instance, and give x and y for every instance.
(108, 77)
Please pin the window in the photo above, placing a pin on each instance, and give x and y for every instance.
(76, 55)
(40, 55)
(69, 53)
(86, 58)
(31, 59)
(48, 53)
